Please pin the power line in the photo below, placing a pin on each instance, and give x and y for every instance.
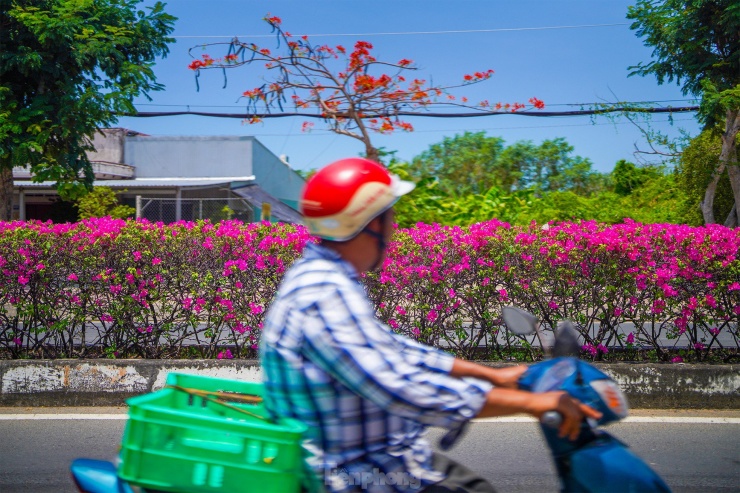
(412, 33)
(540, 114)
(579, 105)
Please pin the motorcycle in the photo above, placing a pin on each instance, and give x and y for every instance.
(595, 461)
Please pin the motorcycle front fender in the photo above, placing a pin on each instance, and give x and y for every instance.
(97, 476)
(609, 466)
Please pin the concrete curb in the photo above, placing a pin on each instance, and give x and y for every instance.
(111, 382)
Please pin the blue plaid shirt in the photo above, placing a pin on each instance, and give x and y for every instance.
(366, 393)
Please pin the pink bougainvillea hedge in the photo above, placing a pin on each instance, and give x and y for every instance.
(106, 287)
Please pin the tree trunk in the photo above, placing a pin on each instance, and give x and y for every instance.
(729, 149)
(372, 153)
(707, 205)
(731, 221)
(6, 193)
(727, 159)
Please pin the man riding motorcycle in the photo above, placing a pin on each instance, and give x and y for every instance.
(366, 393)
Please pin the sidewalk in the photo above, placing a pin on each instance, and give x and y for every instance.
(55, 383)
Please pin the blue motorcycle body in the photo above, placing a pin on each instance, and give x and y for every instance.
(595, 461)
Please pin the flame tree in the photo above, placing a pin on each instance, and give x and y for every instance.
(354, 93)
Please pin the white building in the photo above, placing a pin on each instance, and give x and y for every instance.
(168, 178)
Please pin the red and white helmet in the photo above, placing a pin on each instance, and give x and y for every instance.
(344, 196)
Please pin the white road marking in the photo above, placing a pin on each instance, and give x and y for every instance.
(20, 417)
(507, 419)
(632, 419)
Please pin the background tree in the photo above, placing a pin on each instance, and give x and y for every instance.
(695, 171)
(67, 67)
(550, 185)
(465, 164)
(350, 91)
(627, 177)
(697, 44)
(472, 163)
(102, 202)
(549, 166)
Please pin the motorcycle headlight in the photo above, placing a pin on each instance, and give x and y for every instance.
(612, 396)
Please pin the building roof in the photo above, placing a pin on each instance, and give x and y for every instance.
(148, 182)
(256, 196)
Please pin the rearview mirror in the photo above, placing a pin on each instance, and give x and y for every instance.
(519, 321)
(566, 341)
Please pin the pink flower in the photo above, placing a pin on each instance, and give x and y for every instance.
(617, 312)
(735, 286)
(552, 305)
(677, 359)
(225, 355)
(401, 310)
(631, 338)
(416, 332)
(137, 255)
(432, 315)
(392, 322)
(156, 261)
(451, 293)
(658, 306)
(669, 291)
(590, 348)
(72, 277)
(255, 308)
(711, 301)
(504, 295)
(699, 346)
(17, 341)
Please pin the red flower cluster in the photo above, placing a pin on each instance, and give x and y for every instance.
(537, 103)
(478, 76)
(367, 83)
(206, 62)
(361, 55)
(253, 94)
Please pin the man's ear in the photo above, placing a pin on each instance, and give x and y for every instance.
(375, 224)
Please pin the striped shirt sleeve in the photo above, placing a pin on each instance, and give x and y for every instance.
(344, 338)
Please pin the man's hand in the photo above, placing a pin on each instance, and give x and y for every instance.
(572, 410)
(502, 402)
(506, 377)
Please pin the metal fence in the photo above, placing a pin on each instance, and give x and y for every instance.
(169, 210)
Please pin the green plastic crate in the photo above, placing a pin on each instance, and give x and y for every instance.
(175, 441)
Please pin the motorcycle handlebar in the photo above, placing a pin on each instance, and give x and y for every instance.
(552, 419)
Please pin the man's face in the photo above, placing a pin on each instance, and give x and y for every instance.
(390, 216)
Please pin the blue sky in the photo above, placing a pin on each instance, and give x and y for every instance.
(526, 42)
